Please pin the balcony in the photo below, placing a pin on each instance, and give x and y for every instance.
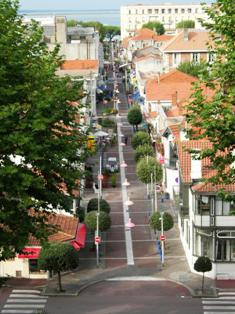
(211, 221)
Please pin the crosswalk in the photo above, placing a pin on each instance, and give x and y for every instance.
(24, 302)
(223, 304)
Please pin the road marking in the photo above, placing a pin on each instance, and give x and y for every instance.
(218, 307)
(219, 302)
(226, 293)
(26, 291)
(28, 296)
(26, 300)
(25, 306)
(18, 311)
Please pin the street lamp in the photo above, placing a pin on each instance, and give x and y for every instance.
(162, 236)
(129, 224)
(129, 202)
(123, 165)
(122, 144)
(126, 183)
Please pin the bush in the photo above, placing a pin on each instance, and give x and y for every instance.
(143, 150)
(147, 166)
(203, 264)
(93, 205)
(104, 221)
(155, 222)
(107, 123)
(192, 68)
(186, 24)
(140, 138)
(155, 26)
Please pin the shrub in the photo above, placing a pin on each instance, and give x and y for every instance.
(186, 24)
(93, 205)
(140, 138)
(155, 222)
(143, 150)
(203, 264)
(107, 123)
(147, 166)
(104, 221)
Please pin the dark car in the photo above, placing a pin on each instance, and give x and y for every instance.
(112, 164)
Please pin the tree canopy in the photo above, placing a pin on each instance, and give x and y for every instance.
(194, 69)
(39, 129)
(134, 116)
(104, 221)
(110, 31)
(140, 138)
(147, 166)
(203, 264)
(214, 116)
(93, 205)
(155, 221)
(155, 26)
(143, 150)
(186, 24)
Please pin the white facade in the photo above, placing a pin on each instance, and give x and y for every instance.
(134, 16)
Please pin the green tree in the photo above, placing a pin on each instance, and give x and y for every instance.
(155, 221)
(186, 24)
(194, 69)
(203, 264)
(93, 205)
(143, 150)
(104, 221)
(147, 166)
(97, 26)
(155, 26)
(39, 129)
(214, 116)
(140, 138)
(72, 23)
(134, 116)
(110, 31)
(58, 257)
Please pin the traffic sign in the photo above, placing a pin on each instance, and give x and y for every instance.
(162, 237)
(158, 188)
(97, 240)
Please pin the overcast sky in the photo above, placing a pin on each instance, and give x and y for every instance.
(88, 4)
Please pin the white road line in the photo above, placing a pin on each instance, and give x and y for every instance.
(216, 301)
(16, 295)
(218, 312)
(26, 301)
(135, 278)
(24, 306)
(219, 307)
(226, 293)
(26, 291)
(18, 311)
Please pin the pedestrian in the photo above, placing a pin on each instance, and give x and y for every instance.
(126, 139)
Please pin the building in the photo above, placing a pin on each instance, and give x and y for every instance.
(134, 16)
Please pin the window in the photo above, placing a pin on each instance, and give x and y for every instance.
(33, 265)
(169, 11)
(189, 10)
(195, 57)
(142, 11)
(196, 10)
(176, 11)
(129, 11)
(149, 11)
(163, 11)
(182, 10)
(211, 57)
(156, 11)
(176, 58)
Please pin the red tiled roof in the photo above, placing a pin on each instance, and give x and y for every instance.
(125, 42)
(144, 34)
(210, 188)
(161, 38)
(79, 65)
(169, 84)
(175, 129)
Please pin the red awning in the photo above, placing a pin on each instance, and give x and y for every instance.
(30, 252)
(80, 239)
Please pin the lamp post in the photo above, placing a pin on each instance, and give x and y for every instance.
(161, 237)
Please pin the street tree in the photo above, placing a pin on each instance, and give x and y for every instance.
(58, 257)
(186, 24)
(110, 31)
(155, 26)
(148, 166)
(104, 221)
(134, 116)
(39, 129)
(155, 221)
(213, 117)
(93, 205)
(203, 264)
(194, 69)
(140, 138)
(142, 151)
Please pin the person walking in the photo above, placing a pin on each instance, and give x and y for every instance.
(126, 139)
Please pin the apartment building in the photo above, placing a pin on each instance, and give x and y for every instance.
(134, 16)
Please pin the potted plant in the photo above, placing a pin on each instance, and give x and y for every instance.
(114, 180)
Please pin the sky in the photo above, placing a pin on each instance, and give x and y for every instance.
(89, 4)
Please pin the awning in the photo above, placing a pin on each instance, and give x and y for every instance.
(30, 252)
(80, 239)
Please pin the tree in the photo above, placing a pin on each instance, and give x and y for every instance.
(140, 138)
(111, 31)
(186, 24)
(93, 205)
(147, 166)
(213, 117)
(203, 264)
(104, 221)
(39, 129)
(194, 69)
(97, 26)
(155, 221)
(134, 116)
(58, 257)
(72, 23)
(143, 150)
(155, 26)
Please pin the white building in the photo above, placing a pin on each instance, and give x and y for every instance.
(134, 16)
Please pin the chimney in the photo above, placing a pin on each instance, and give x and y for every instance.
(174, 98)
(196, 167)
(158, 77)
(185, 34)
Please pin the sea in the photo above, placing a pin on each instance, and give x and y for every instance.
(106, 17)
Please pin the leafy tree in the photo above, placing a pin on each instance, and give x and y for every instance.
(213, 117)
(72, 23)
(147, 166)
(155, 26)
(194, 69)
(186, 24)
(111, 31)
(39, 129)
(104, 221)
(155, 221)
(97, 25)
(143, 150)
(93, 205)
(140, 138)
(58, 257)
(203, 264)
(134, 116)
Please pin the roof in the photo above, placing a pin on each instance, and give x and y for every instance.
(169, 84)
(185, 158)
(150, 56)
(144, 34)
(197, 41)
(208, 187)
(162, 38)
(125, 42)
(175, 130)
(80, 65)
(67, 227)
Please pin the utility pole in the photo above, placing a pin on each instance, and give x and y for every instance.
(162, 234)
(98, 211)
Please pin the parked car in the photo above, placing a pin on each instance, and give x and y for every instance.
(112, 164)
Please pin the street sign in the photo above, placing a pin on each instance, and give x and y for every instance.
(162, 237)
(97, 240)
(100, 177)
(158, 188)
